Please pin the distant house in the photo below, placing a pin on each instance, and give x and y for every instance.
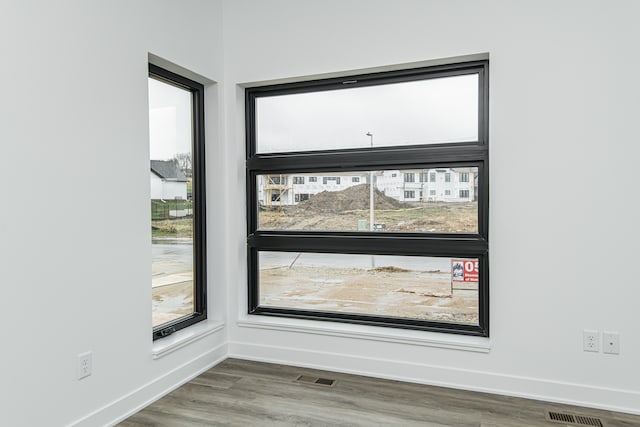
(275, 190)
(410, 185)
(430, 185)
(167, 181)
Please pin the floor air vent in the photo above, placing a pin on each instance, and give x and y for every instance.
(307, 379)
(573, 419)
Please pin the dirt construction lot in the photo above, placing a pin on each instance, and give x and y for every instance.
(342, 211)
(382, 291)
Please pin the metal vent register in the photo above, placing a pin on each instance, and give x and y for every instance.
(307, 379)
(573, 419)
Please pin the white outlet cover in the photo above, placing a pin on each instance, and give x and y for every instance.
(611, 342)
(591, 341)
(85, 365)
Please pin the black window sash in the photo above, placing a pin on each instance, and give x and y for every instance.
(432, 156)
(199, 205)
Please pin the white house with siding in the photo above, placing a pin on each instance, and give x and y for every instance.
(277, 190)
(168, 182)
(429, 185)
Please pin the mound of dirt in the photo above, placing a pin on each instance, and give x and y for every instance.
(349, 199)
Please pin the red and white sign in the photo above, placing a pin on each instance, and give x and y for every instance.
(464, 270)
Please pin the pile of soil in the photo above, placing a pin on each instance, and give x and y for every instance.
(349, 199)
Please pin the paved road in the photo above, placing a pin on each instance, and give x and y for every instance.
(180, 250)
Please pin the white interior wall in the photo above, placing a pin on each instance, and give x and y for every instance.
(74, 135)
(563, 216)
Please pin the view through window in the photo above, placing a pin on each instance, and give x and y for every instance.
(174, 178)
(291, 202)
(368, 199)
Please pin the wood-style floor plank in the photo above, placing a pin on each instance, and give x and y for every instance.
(245, 393)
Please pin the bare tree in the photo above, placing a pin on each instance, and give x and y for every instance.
(183, 162)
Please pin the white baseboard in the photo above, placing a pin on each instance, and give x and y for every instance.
(610, 399)
(129, 404)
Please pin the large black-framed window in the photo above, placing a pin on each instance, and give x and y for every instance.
(396, 262)
(177, 144)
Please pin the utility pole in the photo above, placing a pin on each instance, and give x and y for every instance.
(371, 206)
(371, 216)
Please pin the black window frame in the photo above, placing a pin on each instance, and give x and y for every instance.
(429, 156)
(409, 177)
(198, 199)
(409, 194)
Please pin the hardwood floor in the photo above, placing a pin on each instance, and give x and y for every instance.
(243, 393)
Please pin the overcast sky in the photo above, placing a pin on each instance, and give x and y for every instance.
(409, 113)
(169, 120)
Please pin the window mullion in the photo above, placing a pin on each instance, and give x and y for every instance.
(446, 245)
(362, 159)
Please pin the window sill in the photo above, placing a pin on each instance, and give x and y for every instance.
(184, 337)
(372, 333)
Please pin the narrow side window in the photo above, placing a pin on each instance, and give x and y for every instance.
(176, 148)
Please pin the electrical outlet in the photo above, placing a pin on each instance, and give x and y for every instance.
(84, 365)
(590, 341)
(611, 342)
